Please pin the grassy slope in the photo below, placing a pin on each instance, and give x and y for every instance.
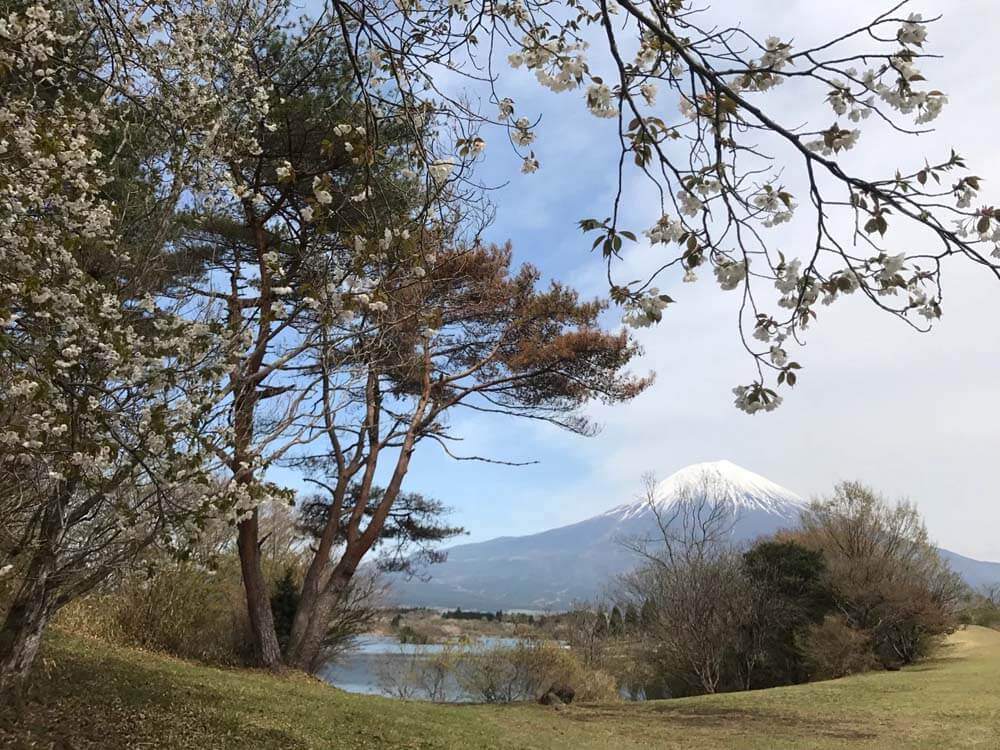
(88, 695)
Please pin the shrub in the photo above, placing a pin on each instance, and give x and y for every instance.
(596, 686)
(398, 675)
(832, 649)
(492, 676)
(181, 609)
(981, 610)
(526, 670)
(882, 571)
(503, 674)
(435, 673)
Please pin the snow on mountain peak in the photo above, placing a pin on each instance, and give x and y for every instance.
(722, 481)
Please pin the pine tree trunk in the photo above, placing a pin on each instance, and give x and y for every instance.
(305, 652)
(317, 575)
(312, 620)
(265, 639)
(305, 611)
(266, 648)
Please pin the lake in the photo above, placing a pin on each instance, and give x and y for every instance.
(358, 670)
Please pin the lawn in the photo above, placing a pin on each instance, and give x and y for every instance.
(89, 695)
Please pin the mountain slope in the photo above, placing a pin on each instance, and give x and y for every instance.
(979, 574)
(555, 568)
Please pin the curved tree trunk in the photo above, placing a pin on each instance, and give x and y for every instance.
(35, 601)
(317, 576)
(20, 638)
(315, 611)
(306, 651)
(258, 595)
(311, 594)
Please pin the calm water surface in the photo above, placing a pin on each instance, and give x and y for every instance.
(358, 671)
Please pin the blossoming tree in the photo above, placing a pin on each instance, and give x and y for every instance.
(106, 393)
(698, 124)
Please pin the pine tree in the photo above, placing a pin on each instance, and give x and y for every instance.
(601, 625)
(647, 615)
(631, 619)
(616, 624)
(284, 602)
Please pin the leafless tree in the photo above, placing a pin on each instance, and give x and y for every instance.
(699, 606)
(693, 526)
(579, 628)
(355, 614)
(886, 577)
(693, 579)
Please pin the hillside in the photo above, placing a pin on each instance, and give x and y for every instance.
(89, 695)
(553, 569)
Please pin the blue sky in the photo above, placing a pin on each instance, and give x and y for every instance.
(914, 415)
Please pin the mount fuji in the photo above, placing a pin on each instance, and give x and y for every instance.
(553, 569)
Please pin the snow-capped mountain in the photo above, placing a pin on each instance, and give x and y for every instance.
(552, 569)
(721, 482)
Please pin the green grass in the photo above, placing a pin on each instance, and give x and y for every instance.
(90, 695)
